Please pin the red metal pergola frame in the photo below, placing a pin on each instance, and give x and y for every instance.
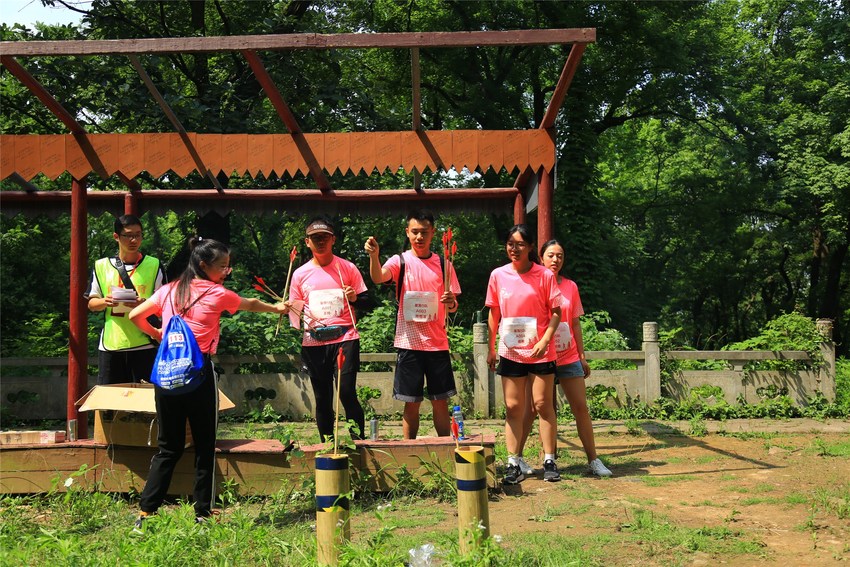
(322, 195)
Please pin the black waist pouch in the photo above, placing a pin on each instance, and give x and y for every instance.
(328, 333)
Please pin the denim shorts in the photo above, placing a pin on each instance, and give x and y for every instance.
(571, 370)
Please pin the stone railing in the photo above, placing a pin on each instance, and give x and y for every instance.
(36, 388)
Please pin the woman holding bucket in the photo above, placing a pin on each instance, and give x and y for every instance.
(572, 367)
(525, 309)
(200, 298)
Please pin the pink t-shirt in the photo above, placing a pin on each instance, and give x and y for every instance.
(525, 302)
(420, 324)
(203, 318)
(570, 309)
(321, 290)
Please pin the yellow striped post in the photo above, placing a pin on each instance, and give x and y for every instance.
(332, 488)
(473, 512)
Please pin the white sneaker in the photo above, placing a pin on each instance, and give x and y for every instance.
(525, 467)
(596, 467)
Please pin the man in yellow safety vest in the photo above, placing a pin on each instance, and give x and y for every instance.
(118, 284)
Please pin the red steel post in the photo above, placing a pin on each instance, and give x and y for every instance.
(545, 214)
(78, 315)
(131, 204)
(519, 208)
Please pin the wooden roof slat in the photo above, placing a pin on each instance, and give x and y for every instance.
(274, 42)
(288, 118)
(172, 117)
(564, 82)
(42, 94)
(263, 201)
(279, 194)
(132, 154)
(132, 184)
(417, 106)
(58, 110)
(556, 101)
(26, 185)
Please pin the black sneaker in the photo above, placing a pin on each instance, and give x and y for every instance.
(513, 475)
(210, 516)
(550, 471)
(138, 525)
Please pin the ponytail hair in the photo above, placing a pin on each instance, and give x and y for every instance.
(525, 232)
(204, 250)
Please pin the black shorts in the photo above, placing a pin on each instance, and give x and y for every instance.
(413, 366)
(510, 369)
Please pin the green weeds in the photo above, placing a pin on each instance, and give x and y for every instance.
(822, 449)
(660, 537)
(834, 501)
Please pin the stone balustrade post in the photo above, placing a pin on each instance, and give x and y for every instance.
(826, 373)
(482, 384)
(652, 366)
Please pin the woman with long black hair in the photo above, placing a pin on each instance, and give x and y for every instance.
(525, 309)
(572, 369)
(200, 298)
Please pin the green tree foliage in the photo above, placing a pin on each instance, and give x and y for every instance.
(703, 147)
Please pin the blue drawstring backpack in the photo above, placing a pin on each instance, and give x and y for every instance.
(179, 364)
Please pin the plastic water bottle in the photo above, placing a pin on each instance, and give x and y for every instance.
(373, 429)
(421, 556)
(458, 417)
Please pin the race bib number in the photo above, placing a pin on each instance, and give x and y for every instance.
(420, 306)
(518, 332)
(562, 337)
(325, 303)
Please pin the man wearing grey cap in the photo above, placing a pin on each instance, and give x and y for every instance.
(322, 292)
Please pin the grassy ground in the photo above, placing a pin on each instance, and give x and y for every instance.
(777, 494)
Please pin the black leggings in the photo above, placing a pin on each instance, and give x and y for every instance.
(320, 363)
(201, 409)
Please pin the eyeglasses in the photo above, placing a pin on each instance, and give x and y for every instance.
(517, 245)
(225, 269)
(132, 236)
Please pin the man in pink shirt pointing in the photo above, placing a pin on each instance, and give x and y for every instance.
(421, 340)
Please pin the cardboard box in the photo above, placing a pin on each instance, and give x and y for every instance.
(125, 414)
(31, 437)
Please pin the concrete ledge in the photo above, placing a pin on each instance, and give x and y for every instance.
(259, 467)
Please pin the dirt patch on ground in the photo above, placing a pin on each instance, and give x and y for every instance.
(778, 492)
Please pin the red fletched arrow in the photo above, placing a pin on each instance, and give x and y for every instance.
(293, 254)
(454, 249)
(449, 232)
(455, 429)
(259, 288)
(260, 280)
(340, 359)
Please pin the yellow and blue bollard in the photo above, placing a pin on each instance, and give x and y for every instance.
(332, 507)
(473, 512)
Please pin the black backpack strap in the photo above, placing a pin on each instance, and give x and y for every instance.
(122, 271)
(400, 282)
(443, 269)
(401, 274)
